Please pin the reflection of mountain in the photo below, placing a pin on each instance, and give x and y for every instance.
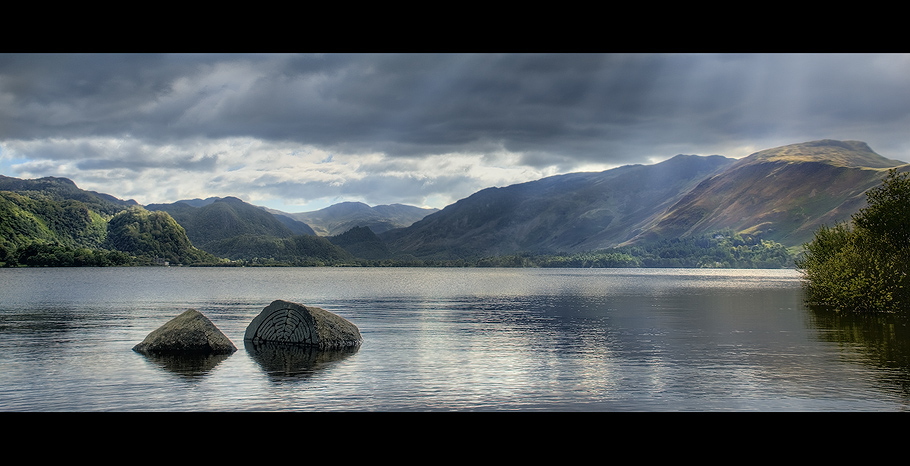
(883, 338)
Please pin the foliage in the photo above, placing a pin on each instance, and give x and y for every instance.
(151, 236)
(18, 225)
(864, 267)
(297, 250)
(223, 219)
(56, 255)
(724, 249)
(51, 222)
(362, 243)
(40, 229)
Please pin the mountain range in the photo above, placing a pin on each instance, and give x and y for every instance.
(781, 195)
(339, 218)
(563, 213)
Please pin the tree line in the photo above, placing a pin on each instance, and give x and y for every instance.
(722, 249)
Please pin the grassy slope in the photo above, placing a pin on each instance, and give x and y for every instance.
(783, 194)
(574, 212)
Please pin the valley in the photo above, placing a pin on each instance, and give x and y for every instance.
(770, 201)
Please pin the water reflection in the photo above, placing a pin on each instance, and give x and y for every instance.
(187, 365)
(883, 339)
(283, 360)
(43, 319)
(445, 339)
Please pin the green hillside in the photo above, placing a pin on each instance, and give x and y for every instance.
(233, 229)
(362, 243)
(51, 222)
(152, 237)
(769, 201)
(296, 250)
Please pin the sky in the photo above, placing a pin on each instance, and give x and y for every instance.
(299, 132)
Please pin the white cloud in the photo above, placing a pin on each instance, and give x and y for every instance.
(305, 177)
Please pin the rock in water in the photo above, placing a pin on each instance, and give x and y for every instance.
(188, 333)
(285, 322)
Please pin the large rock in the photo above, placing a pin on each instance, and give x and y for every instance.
(188, 333)
(284, 322)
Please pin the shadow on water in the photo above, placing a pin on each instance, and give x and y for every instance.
(287, 360)
(42, 319)
(188, 366)
(883, 339)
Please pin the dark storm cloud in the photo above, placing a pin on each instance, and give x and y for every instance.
(382, 126)
(580, 106)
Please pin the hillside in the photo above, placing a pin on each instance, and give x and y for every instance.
(223, 218)
(564, 213)
(51, 222)
(771, 199)
(339, 218)
(231, 228)
(154, 236)
(363, 243)
(62, 189)
(782, 194)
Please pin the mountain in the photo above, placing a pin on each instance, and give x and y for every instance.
(60, 189)
(339, 218)
(782, 194)
(231, 228)
(224, 218)
(52, 222)
(563, 213)
(152, 234)
(200, 202)
(363, 243)
(296, 227)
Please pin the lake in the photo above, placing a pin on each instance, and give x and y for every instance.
(451, 339)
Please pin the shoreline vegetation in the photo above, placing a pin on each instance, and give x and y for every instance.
(724, 249)
(864, 266)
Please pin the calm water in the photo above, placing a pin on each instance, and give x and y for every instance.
(451, 339)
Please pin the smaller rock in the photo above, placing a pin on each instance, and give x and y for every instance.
(188, 333)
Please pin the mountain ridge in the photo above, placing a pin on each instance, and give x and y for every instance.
(781, 194)
(569, 212)
(341, 217)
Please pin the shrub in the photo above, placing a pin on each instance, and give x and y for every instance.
(864, 267)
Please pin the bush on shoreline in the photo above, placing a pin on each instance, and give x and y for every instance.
(864, 266)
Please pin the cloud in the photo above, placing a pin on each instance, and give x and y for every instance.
(396, 128)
